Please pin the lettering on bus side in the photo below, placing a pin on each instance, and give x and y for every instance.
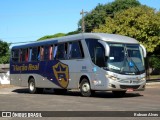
(25, 67)
(33, 67)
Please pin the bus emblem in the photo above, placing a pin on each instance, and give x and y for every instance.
(61, 72)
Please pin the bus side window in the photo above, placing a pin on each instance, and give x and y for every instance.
(99, 56)
(34, 54)
(50, 52)
(38, 54)
(54, 52)
(96, 51)
(46, 52)
(15, 55)
(61, 52)
(20, 55)
(42, 53)
(30, 54)
(75, 50)
(24, 55)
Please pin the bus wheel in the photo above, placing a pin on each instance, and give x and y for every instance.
(32, 87)
(119, 93)
(85, 88)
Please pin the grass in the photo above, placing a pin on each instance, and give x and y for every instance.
(154, 76)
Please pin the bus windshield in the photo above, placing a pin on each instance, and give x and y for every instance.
(125, 59)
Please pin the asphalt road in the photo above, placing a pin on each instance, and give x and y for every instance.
(18, 99)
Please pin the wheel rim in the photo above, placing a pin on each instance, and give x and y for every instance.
(85, 87)
(31, 86)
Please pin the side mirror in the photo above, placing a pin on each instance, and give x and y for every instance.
(144, 50)
(106, 47)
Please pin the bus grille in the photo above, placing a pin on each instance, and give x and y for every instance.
(129, 86)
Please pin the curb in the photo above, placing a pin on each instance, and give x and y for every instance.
(153, 82)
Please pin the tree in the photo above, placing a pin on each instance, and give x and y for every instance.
(52, 36)
(97, 16)
(72, 33)
(58, 35)
(141, 23)
(154, 62)
(4, 52)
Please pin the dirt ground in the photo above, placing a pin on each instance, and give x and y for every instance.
(6, 86)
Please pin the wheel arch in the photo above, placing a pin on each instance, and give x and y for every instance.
(84, 76)
(31, 76)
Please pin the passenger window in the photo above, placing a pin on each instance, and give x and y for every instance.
(75, 51)
(61, 51)
(97, 52)
(30, 54)
(35, 55)
(24, 55)
(46, 52)
(50, 52)
(42, 53)
(15, 55)
(99, 56)
(55, 52)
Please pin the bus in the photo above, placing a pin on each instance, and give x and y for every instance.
(87, 62)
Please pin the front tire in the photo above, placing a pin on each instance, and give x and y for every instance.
(32, 87)
(85, 88)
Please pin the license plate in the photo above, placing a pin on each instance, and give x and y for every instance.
(129, 89)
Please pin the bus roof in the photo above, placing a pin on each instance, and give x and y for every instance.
(101, 36)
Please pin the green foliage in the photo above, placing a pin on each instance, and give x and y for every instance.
(52, 36)
(141, 23)
(72, 33)
(154, 62)
(119, 5)
(4, 52)
(97, 16)
(58, 35)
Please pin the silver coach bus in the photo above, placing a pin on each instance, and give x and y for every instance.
(88, 61)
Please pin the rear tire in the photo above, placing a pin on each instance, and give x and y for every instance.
(119, 93)
(32, 87)
(85, 88)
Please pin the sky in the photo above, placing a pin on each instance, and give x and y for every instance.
(28, 20)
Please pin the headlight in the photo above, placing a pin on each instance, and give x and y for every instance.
(143, 78)
(111, 77)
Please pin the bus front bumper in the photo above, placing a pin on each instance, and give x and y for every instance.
(132, 86)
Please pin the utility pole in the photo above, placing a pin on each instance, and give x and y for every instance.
(83, 22)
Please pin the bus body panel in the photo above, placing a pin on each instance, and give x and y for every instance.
(66, 74)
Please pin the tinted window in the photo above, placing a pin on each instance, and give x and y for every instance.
(75, 51)
(50, 52)
(35, 55)
(15, 55)
(24, 55)
(46, 52)
(97, 52)
(61, 51)
(42, 53)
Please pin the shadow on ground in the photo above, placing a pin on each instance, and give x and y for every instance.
(77, 93)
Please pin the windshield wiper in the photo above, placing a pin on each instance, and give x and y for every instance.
(135, 66)
(130, 60)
